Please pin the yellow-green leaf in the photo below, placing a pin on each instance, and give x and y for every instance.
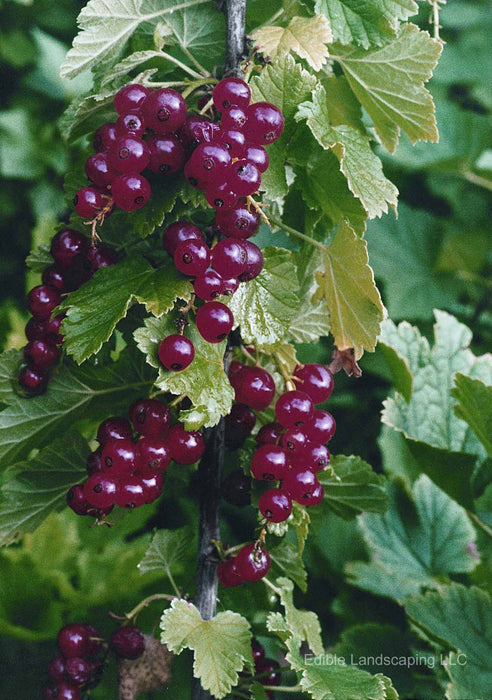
(305, 36)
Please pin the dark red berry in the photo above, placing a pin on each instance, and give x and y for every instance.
(255, 388)
(220, 196)
(101, 256)
(177, 233)
(196, 130)
(229, 286)
(315, 380)
(256, 155)
(236, 488)
(294, 408)
(192, 257)
(270, 434)
(231, 91)
(104, 137)
(167, 154)
(53, 277)
(258, 651)
(150, 417)
(130, 97)
(130, 191)
(233, 140)
(244, 178)
(72, 640)
(268, 672)
(275, 505)
(132, 123)
(152, 486)
(235, 371)
(209, 162)
(269, 463)
(93, 464)
(41, 354)
(53, 326)
(314, 497)
(294, 440)
(239, 222)
(192, 176)
(209, 285)
(314, 457)
(36, 329)
(56, 669)
(131, 493)
(89, 202)
(187, 446)
(253, 562)
(321, 428)
(300, 484)
(77, 501)
(42, 301)
(229, 258)
(228, 574)
(93, 641)
(114, 428)
(100, 490)
(129, 155)
(214, 321)
(164, 111)
(119, 457)
(128, 642)
(66, 691)
(78, 670)
(254, 262)
(233, 118)
(153, 455)
(176, 352)
(34, 381)
(265, 123)
(238, 425)
(99, 171)
(67, 246)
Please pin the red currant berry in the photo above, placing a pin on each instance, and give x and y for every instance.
(167, 154)
(229, 286)
(270, 434)
(244, 178)
(131, 493)
(130, 97)
(315, 497)
(72, 640)
(177, 233)
(56, 669)
(257, 650)
(93, 464)
(36, 329)
(153, 455)
(256, 155)
(315, 380)
(233, 119)
(187, 446)
(94, 639)
(235, 371)
(209, 162)
(101, 490)
(238, 425)
(53, 277)
(99, 171)
(196, 130)
(321, 428)
(77, 501)
(233, 140)
(66, 691)
(41, 354)
(294, 408)
(67, 246)
(236, 489)
(53, 326)
(220, 196)
(152, 486)
(315, 457)
(131, 191)
(269, 463)
(150, 417)
(33, 380)
(300, 484)
(253, 562)
(192, 257)
(78, 670)
(42, 301)
(268, 672)
(238, 222)
(214, 321)
(209, 285)
(132, 123)
(88, 202)
(129, 155)
(256, 388)
(104, 137)
(119, 457)
(231, 91)
(193, 176)
(128, 642)
(101, 256)
(176, 352)
(294, 440)
(275, 505)
(229, 258)
(164, 111)
(228, 574)
(114, 428)
(265, 123)
(254, 263)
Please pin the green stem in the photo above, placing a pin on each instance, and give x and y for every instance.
(297, 234)
(477, 180)
(480, 523)
(198, 65)
(272, 586)
(146, 601)
(284, 688)
(181, 65)
(196, 84)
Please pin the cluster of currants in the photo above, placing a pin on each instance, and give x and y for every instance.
(216, 271)
(154, 131)
(80, 663)
(74, 262)
(130, 473)
(78, 666)
(266, 670)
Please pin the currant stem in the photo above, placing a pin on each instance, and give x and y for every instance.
(144, 603)
(297, 234)
(183, 66)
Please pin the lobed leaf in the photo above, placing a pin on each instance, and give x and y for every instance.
(306, 36)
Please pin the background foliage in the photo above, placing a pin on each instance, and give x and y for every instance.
(366, 576)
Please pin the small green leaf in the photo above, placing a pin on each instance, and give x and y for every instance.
(39, 486)
(423, 535)
(303, 624)
(305, 36)
(94, 310)
(391, 88)
(475, 407)
(167, 549)
(352, 487)
(460, 619)
(221, 646)
(286, 561)
(80, 117)
(265, 307)
(312, 319)
(39, 258)
(10, 361)
(204, 381)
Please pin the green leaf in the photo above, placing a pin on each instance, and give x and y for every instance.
(80, 117)
(204, 381)
(167, 549)
(286, 561)
(365, 23)
(423, 535)
(10, 361)
(352, 487)
(410, 245)
(40, 486)
(221, 646)
(312, 319)
(94, 310)
(305, 36)
(105, 29)
(441, 442)
(334, 680)
(391, 88)
(265, 307)
(358, 163)
(347, 285)
(475, 407)
(39, 258)
(73, 393)
(303, 624)
(459, 618)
